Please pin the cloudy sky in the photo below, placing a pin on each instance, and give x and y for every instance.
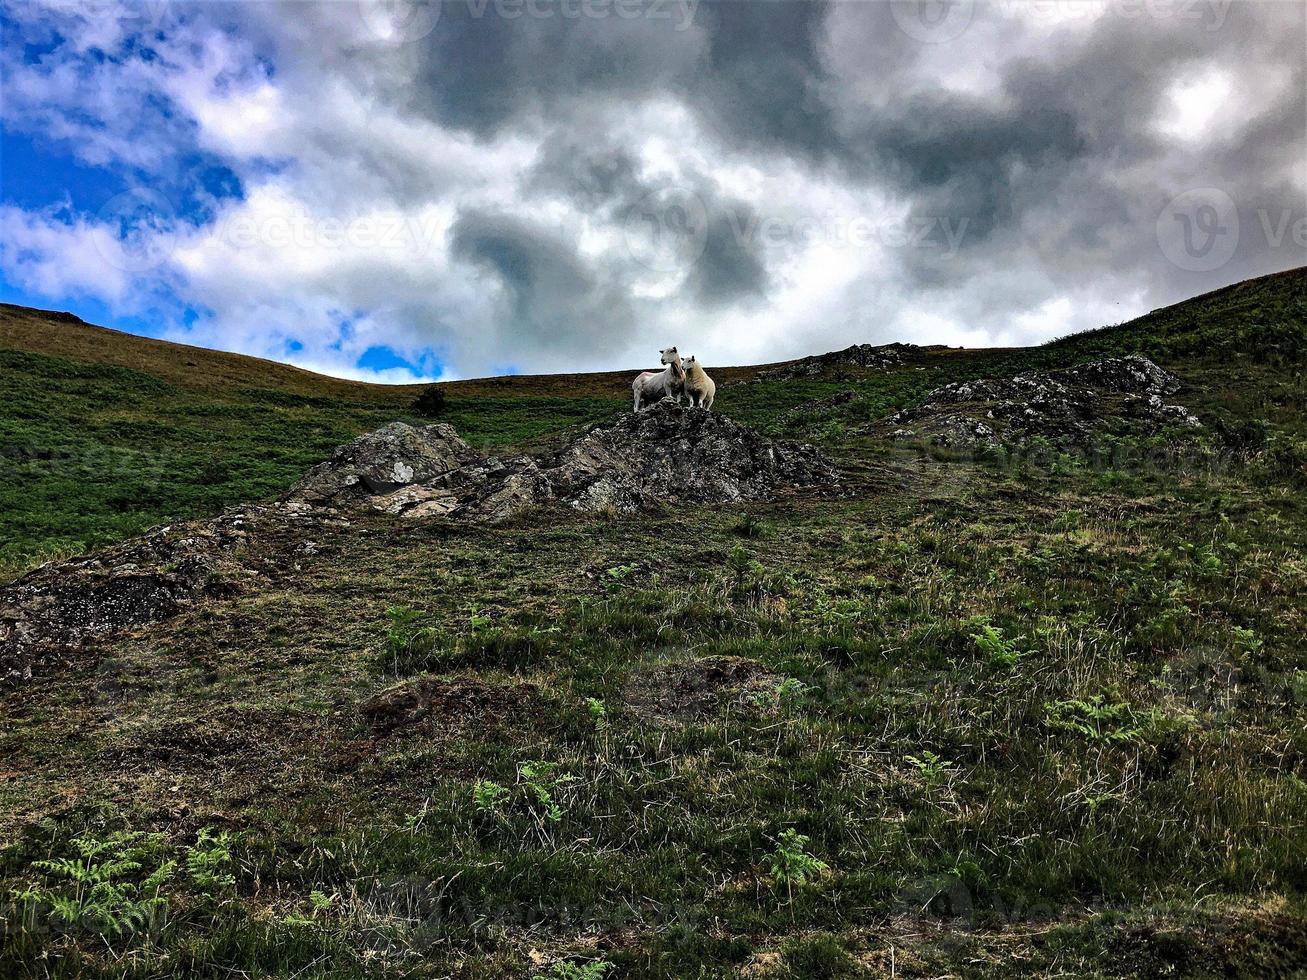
(392, 190)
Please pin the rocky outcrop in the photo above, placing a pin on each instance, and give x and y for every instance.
(63, 606)
(882, 357)
(668, 454)
(394, 456)
(1064, 406)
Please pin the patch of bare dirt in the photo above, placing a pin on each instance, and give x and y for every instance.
(449, 703)
(701, 689)
(231, 740)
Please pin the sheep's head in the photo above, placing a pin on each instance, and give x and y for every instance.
(669, 356)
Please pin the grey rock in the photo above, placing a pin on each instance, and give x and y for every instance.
(666, 454)
(864, 356)
(1064, 406)
(394, 456)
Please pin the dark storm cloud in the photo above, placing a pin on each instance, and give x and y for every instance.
(762, 82)
(595, 175)
(731, 266)
(725, 261)
(553, 299)
(483, 72)
(1061, 157)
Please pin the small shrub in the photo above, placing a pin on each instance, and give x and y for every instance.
(749, 526)
(1246, 640)
(208, 862)
(1000, 651)
(791, 864)
(790, 692)
(431, 402)
(542, 781)
(111, 886)
(489, 797)
(1096, 719)
(410, 646)
(742, 565)
(594, 970)
(616, 576)
(933, 768)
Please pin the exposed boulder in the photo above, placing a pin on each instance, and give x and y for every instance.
(1065, 406)
(394, 456)
(682, 455)
(151, 578)
(859, 356)
(55, 610)
(668, 454)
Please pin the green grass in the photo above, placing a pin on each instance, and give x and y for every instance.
(92, 453)
(1036, 716)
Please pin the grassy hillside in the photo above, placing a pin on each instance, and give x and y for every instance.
(1028, 714)
(103, 434)
(1263, 321)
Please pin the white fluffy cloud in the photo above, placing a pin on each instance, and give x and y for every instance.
(550, 194)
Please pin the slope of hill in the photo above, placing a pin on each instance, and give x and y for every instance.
(1033, 708)
(103, 434)
(1262, 320)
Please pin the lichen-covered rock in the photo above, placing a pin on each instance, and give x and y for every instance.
(685, 455)
(394, 456)
(862, 356)
(1065, 406)
(62, 606)
(50, 613)
(668, 454)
